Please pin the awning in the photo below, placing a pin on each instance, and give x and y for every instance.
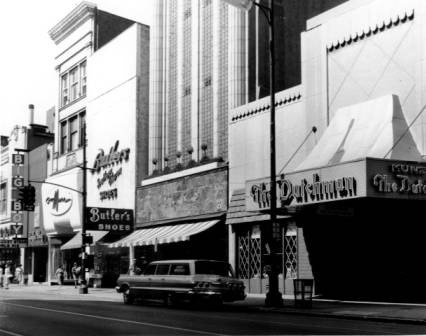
(75, 242)
(238, 214)
(164, 234)
(376, 128)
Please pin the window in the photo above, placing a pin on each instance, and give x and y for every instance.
(3, 198)
(74, 141)
(73, 84)
(82, 128)
(83, 78)
(213, 267)
(72, 133)
(180, 269)
(64, 147)
(64, 85)
(162, 269)
(150, 270)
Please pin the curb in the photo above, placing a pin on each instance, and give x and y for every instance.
(374, 318)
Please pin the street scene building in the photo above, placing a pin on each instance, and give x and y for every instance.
(162, 147)
(349, 159)
(23, 162)
(89, 104)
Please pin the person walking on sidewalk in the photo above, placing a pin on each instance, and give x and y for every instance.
(75, 270)
(7, 276)
(60, 275)
(19, 274)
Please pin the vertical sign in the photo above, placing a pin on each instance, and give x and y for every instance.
(18, 203)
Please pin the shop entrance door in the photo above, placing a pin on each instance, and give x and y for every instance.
(290, 258)
(40, 265)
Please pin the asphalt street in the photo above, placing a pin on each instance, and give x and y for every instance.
(39, 314)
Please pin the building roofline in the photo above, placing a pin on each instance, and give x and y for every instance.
(83, 12)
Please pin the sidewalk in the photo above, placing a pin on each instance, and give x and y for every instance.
(375, 311)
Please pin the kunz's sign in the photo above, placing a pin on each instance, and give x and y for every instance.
(109, 219)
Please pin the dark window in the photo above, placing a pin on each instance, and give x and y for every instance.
(82, 125)
(150, 270)
(73, 133)
(179, 269)
(64, 132)
(213, 267)
(162, 269)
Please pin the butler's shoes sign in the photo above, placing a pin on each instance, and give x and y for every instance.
(109, 219)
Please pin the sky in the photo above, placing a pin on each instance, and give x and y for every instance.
(27, 53)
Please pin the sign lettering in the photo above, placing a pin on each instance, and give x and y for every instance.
(114, 157)
(109, 219)
(60, 204)
(18, 159)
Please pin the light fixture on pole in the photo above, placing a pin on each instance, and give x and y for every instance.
(273, 297)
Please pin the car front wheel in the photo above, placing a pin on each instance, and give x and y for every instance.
(127, 297)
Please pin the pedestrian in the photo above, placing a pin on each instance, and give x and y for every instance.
(7, 276)
(2, 266)
(75, 270)
(60, 275)
(19, 274)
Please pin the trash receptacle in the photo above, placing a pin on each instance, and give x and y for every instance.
(303, 289)
(83, 287)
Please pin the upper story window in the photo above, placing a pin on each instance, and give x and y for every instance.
(72, 133)
(73, 84)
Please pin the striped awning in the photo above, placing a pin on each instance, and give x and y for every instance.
(76, 241)
(164, 234)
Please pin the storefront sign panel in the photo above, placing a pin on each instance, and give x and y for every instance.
(109, 219)
(396, 179)
(187, 196)
(333, 183)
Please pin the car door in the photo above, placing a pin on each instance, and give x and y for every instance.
(180, 277)
(159, 281)
(143, 283)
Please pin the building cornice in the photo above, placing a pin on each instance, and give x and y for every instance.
(83, 12)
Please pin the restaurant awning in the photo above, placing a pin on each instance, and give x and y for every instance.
(76, 241)
(164, 234)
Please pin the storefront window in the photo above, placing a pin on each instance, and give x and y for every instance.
(290, 252)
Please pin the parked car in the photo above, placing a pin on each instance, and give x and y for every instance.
(176, 280)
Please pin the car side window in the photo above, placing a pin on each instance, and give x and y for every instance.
(179, 269)
(162, 269)
(150, 270)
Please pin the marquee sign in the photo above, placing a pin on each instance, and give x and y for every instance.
(109, 219)
(106, 166)
(363, 178)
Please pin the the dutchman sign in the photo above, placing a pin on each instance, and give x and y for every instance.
(364, 178)
(109, 219)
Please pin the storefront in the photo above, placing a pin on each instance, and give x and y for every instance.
(180, 216)
(117, 145)
(62, 214)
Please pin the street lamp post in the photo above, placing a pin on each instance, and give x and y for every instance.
(273, 297)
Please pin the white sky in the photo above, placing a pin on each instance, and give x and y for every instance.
(27, 52)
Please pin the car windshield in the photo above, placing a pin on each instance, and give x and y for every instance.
(213, 267)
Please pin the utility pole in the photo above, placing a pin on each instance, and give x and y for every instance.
(83, 287)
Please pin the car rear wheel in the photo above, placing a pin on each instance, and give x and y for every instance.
(127, 297)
